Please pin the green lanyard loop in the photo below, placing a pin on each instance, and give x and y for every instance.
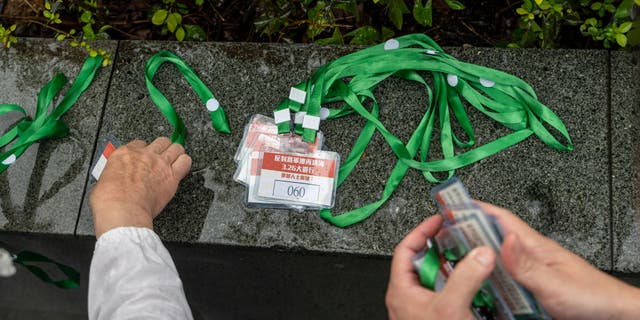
(26, 258)
(352, 79)
(216, 113)
(45, 126)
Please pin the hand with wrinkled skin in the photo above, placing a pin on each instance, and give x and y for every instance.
(137, 183)
(408, 299)
(567, 286)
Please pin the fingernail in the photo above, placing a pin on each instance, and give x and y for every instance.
(482, 255)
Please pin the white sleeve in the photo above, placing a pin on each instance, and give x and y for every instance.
(132, 276)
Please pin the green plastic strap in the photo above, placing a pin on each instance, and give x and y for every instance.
(428, 273)
(352, 79)
(27, 260)
(216, 113)
(45, 126)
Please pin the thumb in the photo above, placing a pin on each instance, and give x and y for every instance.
(468, 276)
(525, 268)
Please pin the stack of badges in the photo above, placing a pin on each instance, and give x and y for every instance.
(283, 171)
(465, 227)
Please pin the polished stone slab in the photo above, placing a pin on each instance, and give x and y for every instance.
(625, 163)
(563, 194)
(42, 191)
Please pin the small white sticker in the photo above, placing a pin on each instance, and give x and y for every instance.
(311, 122)
(297, 95)
(213, 104)
(452, 80)
(431, 52)
(9, 160)
(391, 44)
(487, 83)
(281, 116)
(324, 113)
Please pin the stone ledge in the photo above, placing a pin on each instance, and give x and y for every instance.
(42, 191)
(564, 195)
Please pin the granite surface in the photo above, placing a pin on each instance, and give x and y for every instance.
(563, 194)
(625, 164)
(42, 190)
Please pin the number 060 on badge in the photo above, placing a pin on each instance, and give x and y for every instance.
(308, 179)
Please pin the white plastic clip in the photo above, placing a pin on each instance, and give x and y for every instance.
(213, 104)
(281, 116)
(297, 95)
(487, 83)
(311, 122)
(9, 160)
(391, 44)
(452, 80)
(7, 269)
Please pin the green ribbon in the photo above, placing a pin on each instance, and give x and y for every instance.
(216, 113)
(45, 126)
(428, 273)
(27, 258)
(352, 79)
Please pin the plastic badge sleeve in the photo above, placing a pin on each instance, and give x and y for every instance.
(478, 229)
(259, 124)
(303, 179)
(108, 145)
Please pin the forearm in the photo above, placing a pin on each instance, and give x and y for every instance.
(132, 275)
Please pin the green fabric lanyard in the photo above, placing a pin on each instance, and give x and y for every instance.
(352, 79)
(216, 113)
(45, 126)
(429, 269)
(26, 258)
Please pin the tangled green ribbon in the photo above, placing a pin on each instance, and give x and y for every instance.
(45, 126)
(352, 80)
(216, 113)
(27, 260)
(428, 273)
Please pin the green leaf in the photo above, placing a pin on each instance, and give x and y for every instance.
(454, 4)
(159, 17)
(397, 8)
(194, 32)
(104, 28)
(522, 11)
(88, 33)
(621, 39)
(624, 9)
(180, 33)
(423, 14)
(634, 34)
(199, 3)
(86, 17)
(624, 28)
(637, 2)
(172, 22)
(386, 33)
(12, 28)
(336, 38)
(60, 37)
(596, 6)
(545, 5)
(364, 35)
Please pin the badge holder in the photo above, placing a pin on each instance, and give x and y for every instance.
(298, 179)
(466, 227)
(261, 136)
(107, 146)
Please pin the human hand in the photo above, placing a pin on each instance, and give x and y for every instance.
(408, 299)
(566, 285)
(137, 183)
